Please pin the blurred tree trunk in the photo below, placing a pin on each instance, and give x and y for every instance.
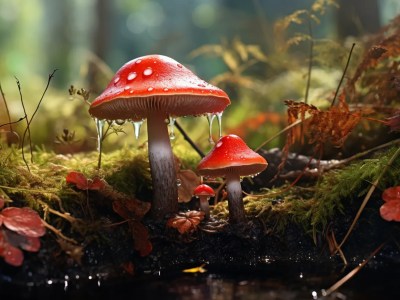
(104, 13)
(357, 17)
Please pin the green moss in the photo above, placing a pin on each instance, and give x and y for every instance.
(314, 206)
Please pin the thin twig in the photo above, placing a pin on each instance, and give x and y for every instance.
(34, 113)
(310, 60)
(344, 73)
(278, 134)
(367, 197)
(188, 139)
(59, 233)
(27, 125)
(13, 122)
(342, 281)
(7, 110)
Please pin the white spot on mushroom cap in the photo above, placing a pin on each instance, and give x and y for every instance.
(150, 89)
(132, 76)
(219, 144)
(148, 71)
(116, 80)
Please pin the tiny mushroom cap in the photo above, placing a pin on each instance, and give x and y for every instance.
(157, 87)
(204, 190)
(232, 158)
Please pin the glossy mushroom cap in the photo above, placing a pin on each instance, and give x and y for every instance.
(157, 83)
(231, 155)
(203, 190)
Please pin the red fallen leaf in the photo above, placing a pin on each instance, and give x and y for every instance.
(391, 194)
(141, 238)
(12, 255)
(27, 243)
(23, 221)
(131, 208)
(186, 222)
(82, 183)
(390, 211)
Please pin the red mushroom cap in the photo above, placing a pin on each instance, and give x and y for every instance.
(231, 155)
(157, 82)
(203, 190)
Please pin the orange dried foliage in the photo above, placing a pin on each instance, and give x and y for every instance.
(254, 123)
(333, 125)
(377, 78)
(186, 222)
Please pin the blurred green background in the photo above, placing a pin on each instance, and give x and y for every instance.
(232, 43)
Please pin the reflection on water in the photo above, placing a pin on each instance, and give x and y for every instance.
(284, 281)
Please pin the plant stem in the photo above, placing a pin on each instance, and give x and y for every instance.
(344, 73)
(27, 126)
(310, 60)
(34, 113)
(342, 281)
(7, 110)
(189, 140)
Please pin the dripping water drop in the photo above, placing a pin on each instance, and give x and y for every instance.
(210, 118)
(99, 127)
(136, 126)
(171, 128)
(219, 118)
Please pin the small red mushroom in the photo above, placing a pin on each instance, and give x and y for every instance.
(232, 158)
(204, 192)
(157, 87)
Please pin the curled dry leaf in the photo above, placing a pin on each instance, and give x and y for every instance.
(186, 222)
(131, 208)
(141, 238)
(83, 183)
(390, 210)
(188, 182)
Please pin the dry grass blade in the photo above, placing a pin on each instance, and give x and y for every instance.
(342, 281)
(367, 197)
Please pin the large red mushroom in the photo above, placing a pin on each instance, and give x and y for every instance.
(232, 158)
(157, 87)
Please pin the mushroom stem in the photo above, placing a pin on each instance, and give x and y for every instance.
(204, 206)
(165, 190)
(235, 201)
